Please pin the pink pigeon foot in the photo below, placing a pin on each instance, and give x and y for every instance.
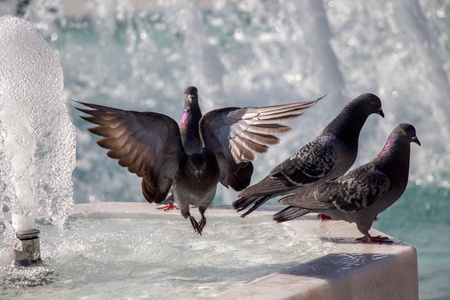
(168, 207)
(324, 217)
(374, 239)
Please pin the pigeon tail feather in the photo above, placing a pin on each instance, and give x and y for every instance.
(244, 202)
(289, 213)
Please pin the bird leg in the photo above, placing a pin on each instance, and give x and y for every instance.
(203, 219)
(374, 239)
(169, 206)
(186, 214)
(169, 200)
(195, 225)
(324, 217)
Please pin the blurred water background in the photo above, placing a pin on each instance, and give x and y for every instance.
(140, 56)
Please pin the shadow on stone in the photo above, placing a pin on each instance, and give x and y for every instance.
(334, 265)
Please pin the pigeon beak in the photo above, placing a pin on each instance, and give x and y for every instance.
(380, 112)
(189, 98)
(198, 173)
(416, 140)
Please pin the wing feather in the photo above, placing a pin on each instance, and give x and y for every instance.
(238, 135)
(274, 119)
(357, 189)
(268, 129)
(262, 139)
(310, 163)
(148, 144)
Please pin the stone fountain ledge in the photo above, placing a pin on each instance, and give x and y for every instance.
(350, 270)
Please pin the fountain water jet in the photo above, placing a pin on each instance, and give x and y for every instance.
(37, 146)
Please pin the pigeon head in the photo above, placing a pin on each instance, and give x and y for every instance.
(405, 133)
(399, 140)
(349, 122)
(368, 104)
(197, 164)
(190, 96)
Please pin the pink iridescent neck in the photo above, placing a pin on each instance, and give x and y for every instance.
(387, 148)
(184, 119)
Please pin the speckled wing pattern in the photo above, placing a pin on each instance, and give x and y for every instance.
(146, 143)
(311, 163)
(358, 189)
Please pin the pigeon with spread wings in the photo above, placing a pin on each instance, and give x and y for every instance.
(150, 145)
(361, 194)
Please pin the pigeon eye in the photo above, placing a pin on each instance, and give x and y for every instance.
(403, 133)
(372, 103)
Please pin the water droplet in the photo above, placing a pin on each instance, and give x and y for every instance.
(238, 35)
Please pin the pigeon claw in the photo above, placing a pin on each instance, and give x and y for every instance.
(198, 229)
(202, 222)
(375, 239)
(324, 217)
(168, 207)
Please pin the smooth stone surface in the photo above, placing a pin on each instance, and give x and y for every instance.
(350, 270)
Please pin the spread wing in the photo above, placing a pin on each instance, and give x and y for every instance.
(238, 135)
(146, 143)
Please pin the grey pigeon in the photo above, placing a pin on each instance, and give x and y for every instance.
(328, 156)
(361, 194)
(150, 145)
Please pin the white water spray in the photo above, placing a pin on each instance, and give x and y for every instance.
(37, 141)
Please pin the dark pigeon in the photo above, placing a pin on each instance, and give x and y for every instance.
(361, 194)
(154, 147)
(189, 131)
(328, 156)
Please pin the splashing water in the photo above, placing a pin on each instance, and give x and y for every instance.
(37, 146)
(136, 256)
